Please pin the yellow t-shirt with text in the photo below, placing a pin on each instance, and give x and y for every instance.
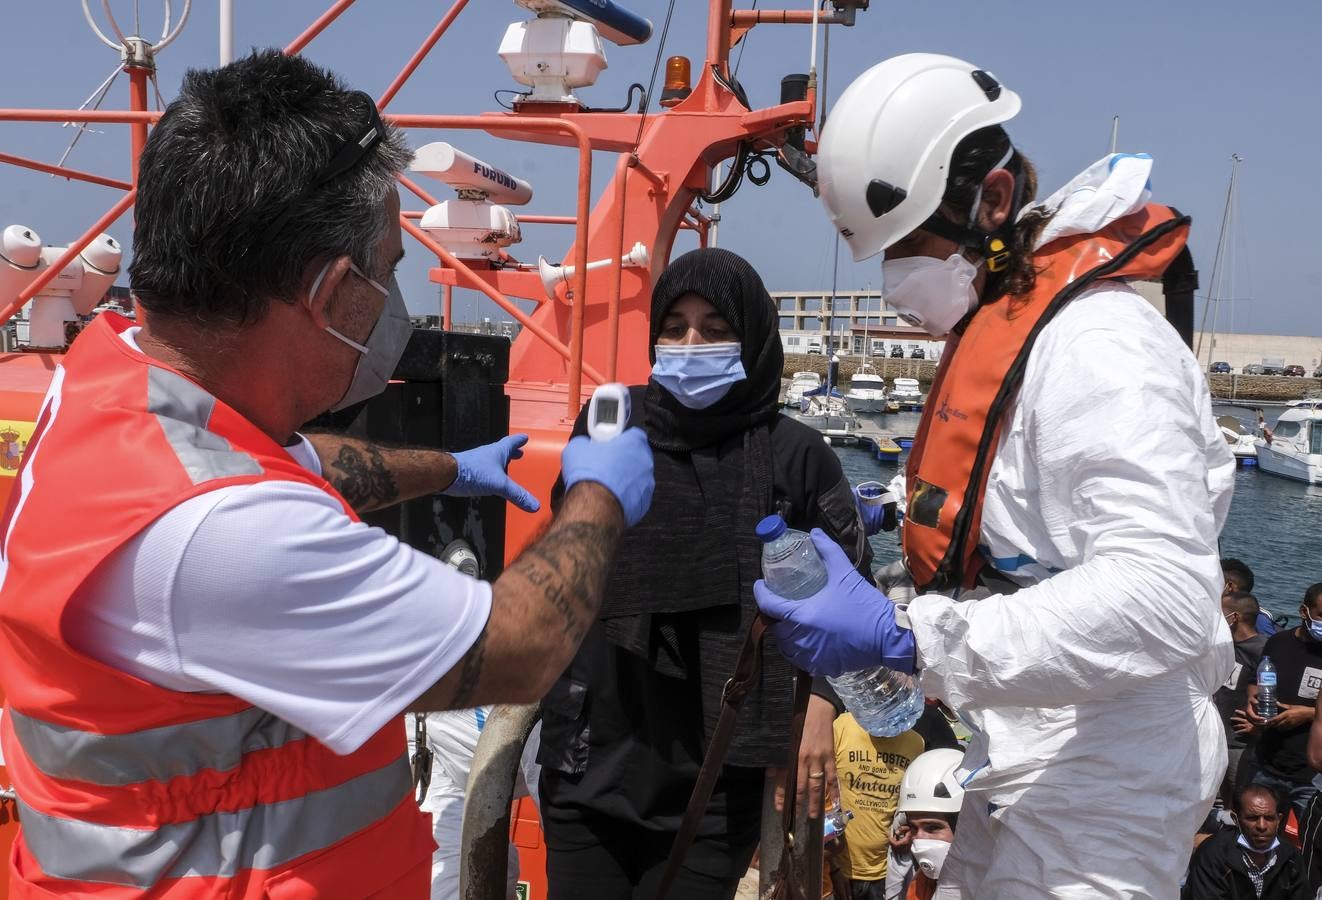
(870, 769)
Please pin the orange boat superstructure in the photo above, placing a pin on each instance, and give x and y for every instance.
(594, 328)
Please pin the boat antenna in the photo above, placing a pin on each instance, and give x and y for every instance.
(1215, 293)
(1115, 132)
(651, 82)
(135, 54)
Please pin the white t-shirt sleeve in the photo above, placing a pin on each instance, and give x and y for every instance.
(271, 593)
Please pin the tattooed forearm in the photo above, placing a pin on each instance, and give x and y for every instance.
(569, 566)
(470, 673)
(361, 475)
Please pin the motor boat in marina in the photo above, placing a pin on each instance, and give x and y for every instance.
(867, 391)
(907, 394)
(1292, 448)
(799, 383)
(825, 409)
(1239, 436)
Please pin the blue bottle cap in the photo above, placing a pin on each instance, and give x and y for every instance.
(770, 528)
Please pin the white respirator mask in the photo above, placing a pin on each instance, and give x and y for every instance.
(929, 293)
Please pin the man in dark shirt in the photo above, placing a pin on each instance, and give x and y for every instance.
(1249, 860)
(1241, 613)
(1239, 577)
(1283, 743)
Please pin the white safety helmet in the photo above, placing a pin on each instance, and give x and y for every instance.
(930, 785)
(884, 155)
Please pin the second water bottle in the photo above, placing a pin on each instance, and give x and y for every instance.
(884, 702)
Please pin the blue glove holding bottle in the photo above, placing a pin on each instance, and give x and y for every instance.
(623, 466)
(846, 626)
(481, 473)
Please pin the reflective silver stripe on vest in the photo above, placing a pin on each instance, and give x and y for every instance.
(183, 410)
(155, 754)
(219, 844)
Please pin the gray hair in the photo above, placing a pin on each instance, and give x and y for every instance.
(233, 156)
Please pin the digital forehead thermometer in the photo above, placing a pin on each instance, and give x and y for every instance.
(608, 413)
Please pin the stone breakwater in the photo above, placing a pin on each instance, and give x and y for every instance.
(1269, 388)
(922, 369)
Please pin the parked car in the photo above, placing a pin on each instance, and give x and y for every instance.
(1273, 370)
(1219, 368)
(897, 352)
(1253, 369)
(815, 346)
(1317, 373)
(917, 353)
(1295, 370)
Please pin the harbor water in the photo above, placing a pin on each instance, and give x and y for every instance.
(1275, 525)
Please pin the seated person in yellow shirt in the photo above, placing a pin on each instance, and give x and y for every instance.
(869, 771)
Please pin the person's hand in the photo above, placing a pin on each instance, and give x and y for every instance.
(876, 506)
(623, 466)
(901, 836)
(1243, 725)
(1290, 716)
(481, 473)
(817, 776)
(846, 626)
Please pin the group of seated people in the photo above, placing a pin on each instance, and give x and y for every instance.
(1263, 840)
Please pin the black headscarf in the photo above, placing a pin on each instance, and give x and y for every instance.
(728, 282)
(681, 592)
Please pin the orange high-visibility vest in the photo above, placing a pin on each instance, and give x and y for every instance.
(127, 789)
(979, 377)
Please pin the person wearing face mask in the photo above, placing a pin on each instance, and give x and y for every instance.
(1066, 490)
(1249, 861)
(1282, 747)
(624, 731)
(204, 653)
(924, 827)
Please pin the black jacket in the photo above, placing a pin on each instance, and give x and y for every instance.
(1217, 872)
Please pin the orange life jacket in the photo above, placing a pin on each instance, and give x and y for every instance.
(979, 377)
(127, 789)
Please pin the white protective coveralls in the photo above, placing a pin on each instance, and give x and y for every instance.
(1097, 750)
(452, 737)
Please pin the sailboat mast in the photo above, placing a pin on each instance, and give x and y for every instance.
(1115, 132)
(1214, 286)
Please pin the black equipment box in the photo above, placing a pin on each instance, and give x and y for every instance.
(448, 393)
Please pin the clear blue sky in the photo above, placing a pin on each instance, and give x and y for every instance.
(1192, 82)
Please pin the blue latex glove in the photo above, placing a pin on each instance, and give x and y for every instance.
(481, 473)
(846, 626)
(623, 466)
(876, 506)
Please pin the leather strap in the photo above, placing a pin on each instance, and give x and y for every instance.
(741, 682)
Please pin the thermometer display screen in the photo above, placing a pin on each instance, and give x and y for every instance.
(608, 409)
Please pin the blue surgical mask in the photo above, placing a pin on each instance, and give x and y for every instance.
(1314, 627)
(698, 375)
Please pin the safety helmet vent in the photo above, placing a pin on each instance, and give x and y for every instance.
(883, 196)
(987, 81)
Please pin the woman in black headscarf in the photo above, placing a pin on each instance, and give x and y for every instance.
(625, 729)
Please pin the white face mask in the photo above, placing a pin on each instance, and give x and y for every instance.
(385, 345)
(930, 856)
(930, 293)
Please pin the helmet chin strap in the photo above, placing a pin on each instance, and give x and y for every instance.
(990, 246)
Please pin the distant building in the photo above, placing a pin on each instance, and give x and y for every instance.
(851, 323)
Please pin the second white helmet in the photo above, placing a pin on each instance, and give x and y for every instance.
(930, 785)
(884, 155)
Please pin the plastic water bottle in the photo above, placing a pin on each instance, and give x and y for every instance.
(883, 702)
(834, 822)
(1267, 688)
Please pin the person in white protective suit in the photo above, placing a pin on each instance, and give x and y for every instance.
(452, 739)
(1065, 494)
